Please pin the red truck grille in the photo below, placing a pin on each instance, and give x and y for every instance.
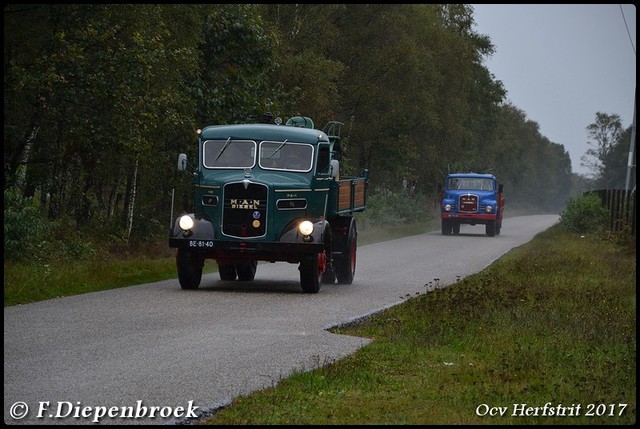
(468, 203)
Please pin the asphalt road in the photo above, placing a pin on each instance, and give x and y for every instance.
(122, 352)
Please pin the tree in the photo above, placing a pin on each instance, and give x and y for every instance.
(614, 164)
(604, 133)
(100, 99)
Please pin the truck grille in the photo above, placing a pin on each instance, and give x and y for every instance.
(468, 203)
(245, 210)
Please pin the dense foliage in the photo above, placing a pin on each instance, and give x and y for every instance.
(100, 99)
(584, 213)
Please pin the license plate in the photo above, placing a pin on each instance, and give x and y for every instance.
(201, 243)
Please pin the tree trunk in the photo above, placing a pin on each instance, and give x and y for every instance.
(132, 199)
(30, 137)
(21, 171)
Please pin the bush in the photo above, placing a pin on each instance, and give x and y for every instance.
(26, 230)
(394, 208)
(584, 213)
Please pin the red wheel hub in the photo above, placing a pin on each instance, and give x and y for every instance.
(322, 262)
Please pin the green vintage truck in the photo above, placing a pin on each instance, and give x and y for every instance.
(270, 192)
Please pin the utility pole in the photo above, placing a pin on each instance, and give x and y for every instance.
(632, 149)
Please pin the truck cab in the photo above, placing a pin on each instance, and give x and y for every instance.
(472, 199)
(270, 192)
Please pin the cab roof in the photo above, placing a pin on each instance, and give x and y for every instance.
(474, 175)
(261, 132)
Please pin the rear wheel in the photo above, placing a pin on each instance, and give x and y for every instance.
(345, 263)
(189, 265)
(247, 272)
(227, 272)
(329, 276)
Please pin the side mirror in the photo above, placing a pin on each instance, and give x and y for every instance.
(500, 188)
(182, 162)
(334, 169)
(439, 187)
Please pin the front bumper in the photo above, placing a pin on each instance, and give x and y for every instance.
(290, 246)
(464, 217)
(232, 251)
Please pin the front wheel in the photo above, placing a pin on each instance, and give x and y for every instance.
(189, 265)
(491, 228)
(311, 269)
(447, 227)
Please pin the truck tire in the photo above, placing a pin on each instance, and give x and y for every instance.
(491, 228)
(311, 269)
(447, 227)
(345, 263)
(227, 272)
(247, 272)
(455, 227)
(329, 276)
(189, 265)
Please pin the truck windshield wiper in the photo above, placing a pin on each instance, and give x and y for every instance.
(223, 148)
(279, 147)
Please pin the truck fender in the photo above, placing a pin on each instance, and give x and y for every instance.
(202, 229)
(291, 234)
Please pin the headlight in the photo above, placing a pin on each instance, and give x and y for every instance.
(186, 222)
(488, 209)
(447, 207)
(305, 228)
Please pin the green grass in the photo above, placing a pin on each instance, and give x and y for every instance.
(552, 321)
(25, 283)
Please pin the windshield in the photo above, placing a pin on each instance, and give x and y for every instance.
(234, 154)
(229, 153)
(470, 183)
(286, 156)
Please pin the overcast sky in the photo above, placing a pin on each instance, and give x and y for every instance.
(562, 63)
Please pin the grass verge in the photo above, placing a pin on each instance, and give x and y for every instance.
(551, 324)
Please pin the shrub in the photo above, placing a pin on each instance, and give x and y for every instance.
(394, 208)
(584, 213)
(26, 230)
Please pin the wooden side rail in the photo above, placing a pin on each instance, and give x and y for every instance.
(352, 194)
